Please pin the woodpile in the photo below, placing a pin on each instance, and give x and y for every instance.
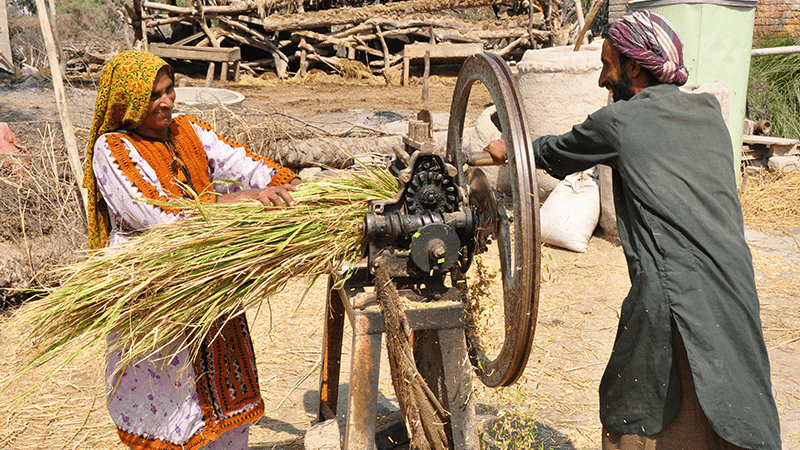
(290, 38)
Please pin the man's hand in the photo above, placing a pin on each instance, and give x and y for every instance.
(497, 149)
(270, 196)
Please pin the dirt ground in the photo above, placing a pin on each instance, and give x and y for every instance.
(553, 406)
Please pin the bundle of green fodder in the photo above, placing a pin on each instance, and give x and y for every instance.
(163, 290)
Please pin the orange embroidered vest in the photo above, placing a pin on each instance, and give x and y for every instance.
(180, 163)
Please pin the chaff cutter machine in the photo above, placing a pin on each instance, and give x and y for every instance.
(444, 213)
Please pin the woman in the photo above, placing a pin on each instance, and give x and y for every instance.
(139, 153)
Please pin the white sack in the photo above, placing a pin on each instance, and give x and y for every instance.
(569, 215)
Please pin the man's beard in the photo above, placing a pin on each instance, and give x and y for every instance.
(622, 89)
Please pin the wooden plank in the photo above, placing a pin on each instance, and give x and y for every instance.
(225, 54)
(777, 145)
(440, 52)
(767, 140)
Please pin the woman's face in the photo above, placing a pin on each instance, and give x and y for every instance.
(159, 109)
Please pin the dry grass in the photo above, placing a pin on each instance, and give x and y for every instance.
(356, 70)
(260, 130)
(38, 194)
(778, 284)
(41, 221)
(770, 200)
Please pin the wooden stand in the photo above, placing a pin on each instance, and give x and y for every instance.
(449, 53)
(442, 319)
(225, 55)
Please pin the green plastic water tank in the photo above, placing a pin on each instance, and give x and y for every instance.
(717, 38)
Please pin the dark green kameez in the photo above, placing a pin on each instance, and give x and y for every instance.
(682, 231)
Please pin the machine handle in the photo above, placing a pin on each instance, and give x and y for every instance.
(480, 158)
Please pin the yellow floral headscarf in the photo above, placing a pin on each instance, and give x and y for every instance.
(122, 99)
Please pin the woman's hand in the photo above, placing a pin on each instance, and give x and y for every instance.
(270, 196)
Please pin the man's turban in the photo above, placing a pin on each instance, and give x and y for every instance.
(648, 39)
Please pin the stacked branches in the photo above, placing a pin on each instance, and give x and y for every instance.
(284, 37)
(162, 291)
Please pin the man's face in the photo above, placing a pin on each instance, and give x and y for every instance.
(614, 77)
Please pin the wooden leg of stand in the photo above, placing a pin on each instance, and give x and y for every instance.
(458, 377)
(362, 406)
(331, 354)
(210, 74)
(223, 73)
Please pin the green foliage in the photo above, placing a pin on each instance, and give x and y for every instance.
(774, 88)
(77, 19)
(18, 8)
(90, 17)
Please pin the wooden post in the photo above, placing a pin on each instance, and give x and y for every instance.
(385, 54)
(301, 72)
(61, 100)
(280, 65)
(62, 62)
(210, 74)
(236, 66)
(139, 6)
(589, 18)
(425, 77)
(6, 60)
(581, 20)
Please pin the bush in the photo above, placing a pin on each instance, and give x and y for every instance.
(90, 18)
(773, 91)
(77, 19)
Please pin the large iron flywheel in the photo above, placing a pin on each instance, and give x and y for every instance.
(515, 232)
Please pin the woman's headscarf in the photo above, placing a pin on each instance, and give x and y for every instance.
(122, 99)
(649, 39)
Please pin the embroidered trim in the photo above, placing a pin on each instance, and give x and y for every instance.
(197, 441)
(227, 387)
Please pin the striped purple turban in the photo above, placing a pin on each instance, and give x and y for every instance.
(649, 39)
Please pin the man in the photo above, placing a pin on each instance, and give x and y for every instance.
(689, 368)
